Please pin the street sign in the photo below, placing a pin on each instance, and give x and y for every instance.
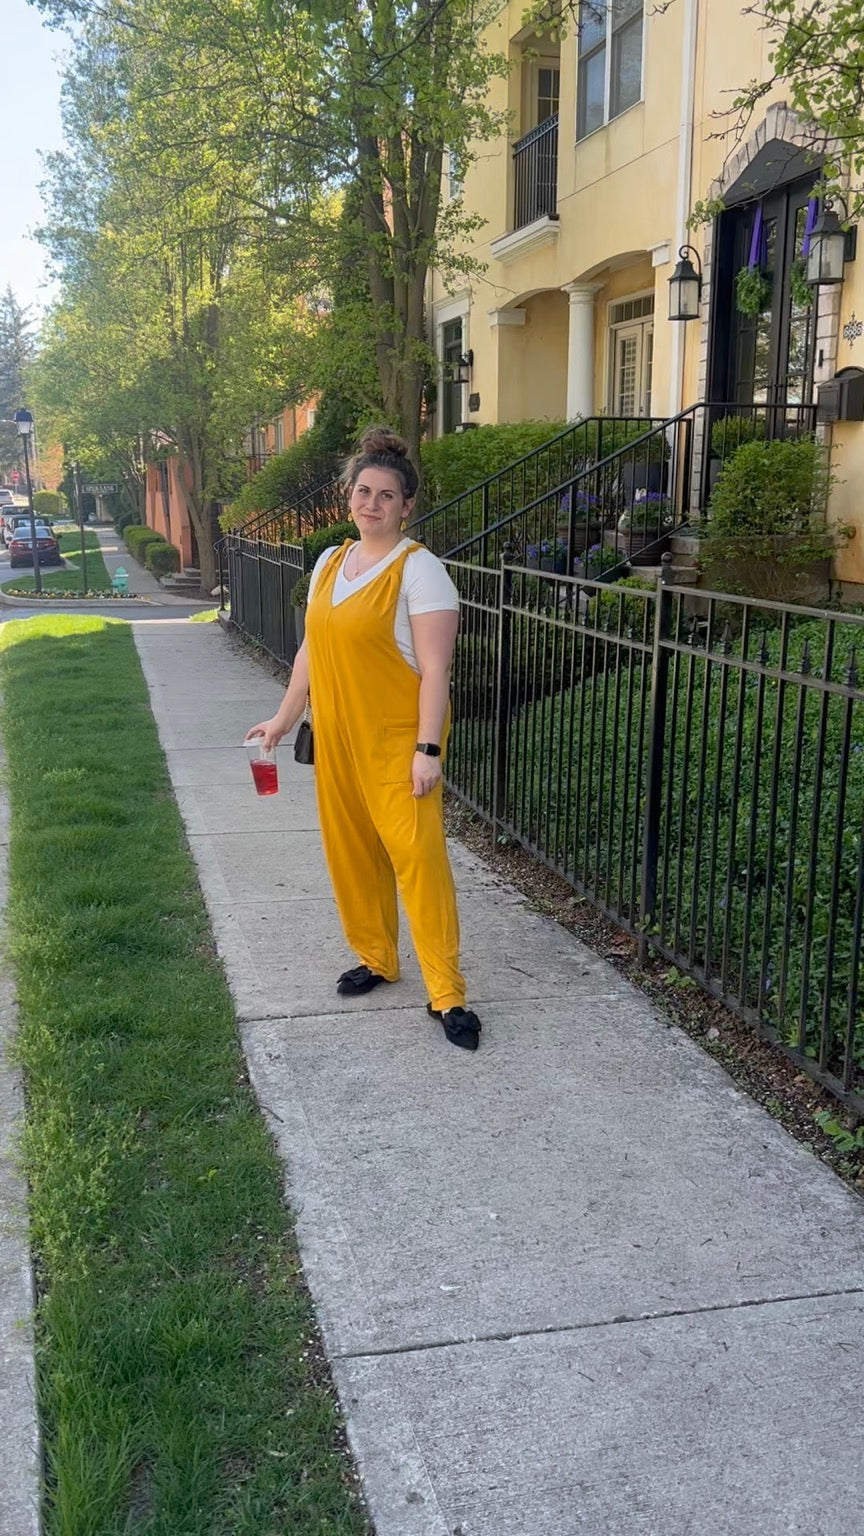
(15, 476)
(99, 488)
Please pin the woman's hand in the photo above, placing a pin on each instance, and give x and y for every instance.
(425, 774)
(271, 732)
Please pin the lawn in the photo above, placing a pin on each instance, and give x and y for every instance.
(68, 577)
(180, 1382)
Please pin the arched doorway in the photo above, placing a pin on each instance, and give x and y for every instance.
(766, 357)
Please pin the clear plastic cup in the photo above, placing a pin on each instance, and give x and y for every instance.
(263, 765)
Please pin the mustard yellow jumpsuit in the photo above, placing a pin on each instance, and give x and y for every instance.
(376, 835)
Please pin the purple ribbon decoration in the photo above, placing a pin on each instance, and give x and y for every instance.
(809, 225)
(755, 257)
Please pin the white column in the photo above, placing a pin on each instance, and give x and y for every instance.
(580, 350)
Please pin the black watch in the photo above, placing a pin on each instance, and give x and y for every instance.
(431, 748)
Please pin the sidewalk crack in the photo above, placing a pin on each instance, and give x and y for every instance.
(513, 1335)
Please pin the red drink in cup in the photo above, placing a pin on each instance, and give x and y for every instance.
(263, 767)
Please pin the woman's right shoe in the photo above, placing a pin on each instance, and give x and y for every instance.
(461, 1025)
(360, 979)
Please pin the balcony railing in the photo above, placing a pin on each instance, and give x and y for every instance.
(535, 162)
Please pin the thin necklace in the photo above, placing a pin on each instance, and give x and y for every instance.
(361, 571)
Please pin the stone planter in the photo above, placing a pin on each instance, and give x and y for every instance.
(556, 563)
(642, 546)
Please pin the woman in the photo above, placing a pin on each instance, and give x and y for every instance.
(381, 624)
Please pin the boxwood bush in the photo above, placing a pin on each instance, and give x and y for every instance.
(454, 463)
(161, 558)
(136, 538)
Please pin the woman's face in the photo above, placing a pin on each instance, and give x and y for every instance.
(378, 503)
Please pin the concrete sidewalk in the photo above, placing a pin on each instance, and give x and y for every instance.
(576, 1282)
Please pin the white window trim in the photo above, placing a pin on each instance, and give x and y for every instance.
(607, 83)
(612, 327)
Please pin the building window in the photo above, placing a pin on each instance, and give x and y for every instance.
(454, 174)
(631, 356)
(451, 390)
(548, 85)
(610, 61)
(279, 435)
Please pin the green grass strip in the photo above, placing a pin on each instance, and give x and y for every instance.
(65, 578)
(180, 1380)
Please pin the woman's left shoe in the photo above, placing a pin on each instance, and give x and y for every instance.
(461, 1025)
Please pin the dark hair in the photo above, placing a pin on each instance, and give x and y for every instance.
(379, 448)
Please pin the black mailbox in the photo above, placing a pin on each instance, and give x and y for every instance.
(842, 398)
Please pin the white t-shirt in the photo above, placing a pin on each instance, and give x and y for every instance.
(425, 588)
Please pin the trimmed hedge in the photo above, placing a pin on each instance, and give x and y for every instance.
(162, 558)
(136, 538)
(47, 503)
(454, 463)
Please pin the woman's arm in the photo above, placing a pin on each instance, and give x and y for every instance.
(434, 636)
(292, 706)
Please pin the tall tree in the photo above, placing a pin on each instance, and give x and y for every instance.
(17, 348)
(291, 105)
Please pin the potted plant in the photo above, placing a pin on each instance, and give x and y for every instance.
(553, 555)
(581, 511)
(599, 561)
(753, 290)
(766, 533)
(643, 530)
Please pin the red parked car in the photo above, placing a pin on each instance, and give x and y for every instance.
(21, 547)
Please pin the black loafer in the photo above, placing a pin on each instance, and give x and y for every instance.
(461, 1026)
(361, 979)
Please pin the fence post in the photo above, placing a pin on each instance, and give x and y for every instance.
(654, 766)
(220, 546)
(260, 635)
(484, 514)
(502, 713)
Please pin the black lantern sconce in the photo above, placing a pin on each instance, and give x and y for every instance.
(831, 246)
(685, 286)
(462, 371)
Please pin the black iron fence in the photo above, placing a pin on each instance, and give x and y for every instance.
(326, 503)
(259, 577)
(545, 471)
(535, 174)
(620, 507)
(694, 765)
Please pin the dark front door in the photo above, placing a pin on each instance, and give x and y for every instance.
(764, 359)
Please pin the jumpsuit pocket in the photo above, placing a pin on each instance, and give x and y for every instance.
(398, 743)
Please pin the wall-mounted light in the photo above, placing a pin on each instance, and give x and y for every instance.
(830, 247)
(462, 374)
(685, 286)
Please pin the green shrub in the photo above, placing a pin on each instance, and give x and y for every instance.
(126, 519)
(47, 503)
(767, 535)
(773, 487)
(300, 591)
(324, 538)
(136, 538)
(283, 480)
(732, 432)
(161, 558)
(454, 463)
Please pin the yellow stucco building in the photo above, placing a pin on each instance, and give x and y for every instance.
(616, 133)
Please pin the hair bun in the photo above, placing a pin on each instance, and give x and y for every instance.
(382, 440)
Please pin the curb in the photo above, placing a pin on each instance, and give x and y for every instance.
(8, 601)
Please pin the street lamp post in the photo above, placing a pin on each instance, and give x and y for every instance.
(79, 508)
(24, 425)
